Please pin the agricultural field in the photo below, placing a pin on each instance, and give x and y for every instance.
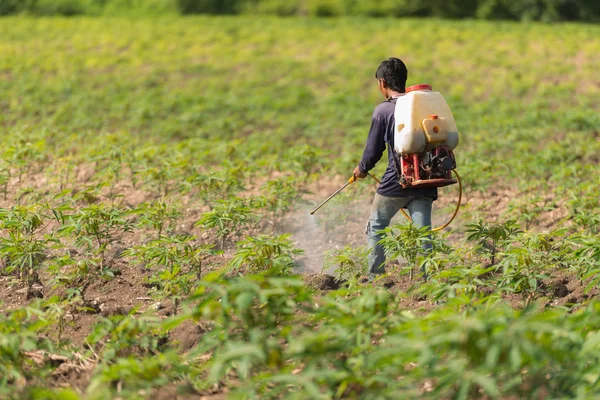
(156, 176)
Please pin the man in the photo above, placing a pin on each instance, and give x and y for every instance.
(390, 197)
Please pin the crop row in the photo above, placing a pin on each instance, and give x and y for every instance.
(265, 333)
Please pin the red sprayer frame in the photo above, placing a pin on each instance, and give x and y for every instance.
(414, 173)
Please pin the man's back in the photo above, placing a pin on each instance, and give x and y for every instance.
(381, 135)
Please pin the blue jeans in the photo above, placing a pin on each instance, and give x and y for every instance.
(383, 210)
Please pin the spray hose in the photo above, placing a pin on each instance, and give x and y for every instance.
(439, 228)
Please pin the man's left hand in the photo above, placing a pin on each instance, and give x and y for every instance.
(359, 174)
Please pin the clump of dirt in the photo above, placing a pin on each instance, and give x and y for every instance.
(560, 289)
(187, 334)
(182, 391)
(322, 281)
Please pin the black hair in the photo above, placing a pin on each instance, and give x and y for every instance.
(394, 73)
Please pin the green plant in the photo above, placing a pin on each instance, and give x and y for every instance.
(491, 237)
(265, 254)
(457, 281)
(55, 313)
(23, 155)
(161, 178)
(583, 210)
(135, 376)
(407, 241)
(76, 275)
(21, 332)
(177, 263)
(349, 263)
(281, 194)
(531, 209)
(522, 272)
(158, 215)
(168, 251)
(23, 248)
(587, 259)
(227, 218)
(96, 227)
(4, 181)
(213, 187)
(254, 309)
(123, 335)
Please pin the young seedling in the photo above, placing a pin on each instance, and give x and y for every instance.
(159, 215)
(24, 248)
(160, 177)
(281, 194)
(5, 176)
(23, 155)
(96, 227)
(530, 210)
(214, 187)
(584, 210)
(408, 242)
(489, 237)
(76, 275)
(227, 219)
(523, 268)
(169, 251)
(265, 254)
(177, 263)
(587, 259)
(349, 263)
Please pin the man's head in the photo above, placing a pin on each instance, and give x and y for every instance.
(391, 76)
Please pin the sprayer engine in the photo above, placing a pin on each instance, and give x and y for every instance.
(430, 169)
(425, 135)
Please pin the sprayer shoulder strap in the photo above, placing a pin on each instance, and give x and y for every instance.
(389, 141)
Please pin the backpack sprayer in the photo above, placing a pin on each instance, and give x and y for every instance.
(425, 134)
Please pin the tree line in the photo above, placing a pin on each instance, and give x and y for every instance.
(527, 10)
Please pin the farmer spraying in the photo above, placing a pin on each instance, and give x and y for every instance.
(418, 129)
(417, 166)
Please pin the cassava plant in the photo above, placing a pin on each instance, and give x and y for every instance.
(166, 252)
(158, 215)
(75, 275)
(407, 241)
(21, 331)
(25, 247)
(348, 263)
(265, 254)
(491, 238)
(176, 262)
(95, 227)
(281, 194)
(529, 210)
(213, 187)
(173, 283)
(587, 260)
(227, 218)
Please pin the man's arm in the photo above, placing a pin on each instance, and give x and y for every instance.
(373, 150)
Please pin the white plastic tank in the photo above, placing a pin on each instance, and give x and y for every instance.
(423, 121)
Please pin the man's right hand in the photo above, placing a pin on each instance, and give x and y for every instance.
(358, 174)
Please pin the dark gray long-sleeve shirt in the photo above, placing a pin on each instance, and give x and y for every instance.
(381, 135)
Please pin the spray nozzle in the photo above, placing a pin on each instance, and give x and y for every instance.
(352, 179)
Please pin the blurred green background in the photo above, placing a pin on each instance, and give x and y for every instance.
(539, 10)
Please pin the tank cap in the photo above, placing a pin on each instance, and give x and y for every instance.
(418, 87)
